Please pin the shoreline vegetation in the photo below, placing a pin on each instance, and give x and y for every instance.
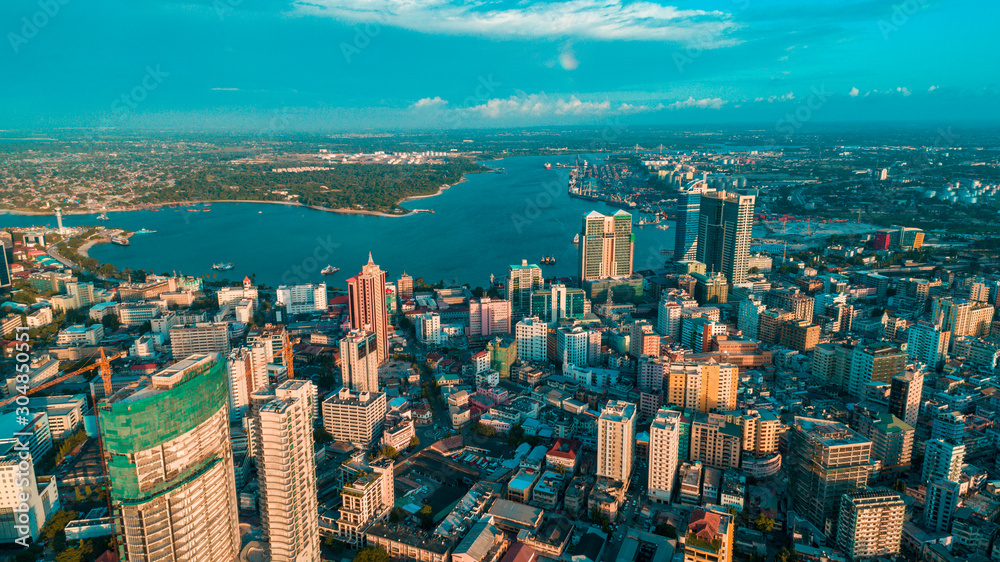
(376, 190)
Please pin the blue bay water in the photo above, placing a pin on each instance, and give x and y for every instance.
(479, 227)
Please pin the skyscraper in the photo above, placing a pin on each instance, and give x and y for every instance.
(616, 440)
(170, 464)
(664, 455)
(521, 281)
(871, 523)
(557, 302)
(942, 460)
(724, 230)
(405, 286)
(686, 235)
(606, 247)
(366, 294)
(826, 460)
(939, 506)
(286, 473)
(532, 339)
(247, 370)
(355, 417)
(359, 361)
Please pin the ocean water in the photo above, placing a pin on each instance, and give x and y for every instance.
(478, 228)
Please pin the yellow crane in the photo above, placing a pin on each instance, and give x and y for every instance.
(104, 364)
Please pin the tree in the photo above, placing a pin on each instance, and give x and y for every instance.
(321, 436)
(763, 523)
(389, 452)
(665, 530)
(426, 517)
(785, 555)
(753, 270)
(372, 554)
(414, 441)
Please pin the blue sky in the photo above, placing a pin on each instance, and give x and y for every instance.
(384, 64)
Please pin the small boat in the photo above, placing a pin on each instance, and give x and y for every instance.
(576, 239)
(663, 227)
(260, 212)
(329, 270)
(145, 231)
(548, 165)
(548, 260)
(120, 240)
(222, 266)
(102, 217)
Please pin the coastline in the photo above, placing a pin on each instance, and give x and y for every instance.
(343, 211)
(84, 250)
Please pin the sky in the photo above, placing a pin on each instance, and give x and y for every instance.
(363, 65)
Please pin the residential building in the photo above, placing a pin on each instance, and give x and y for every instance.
(203, 337)
(359, 361)
(940, 504)
(246, 369)
(826, 460)
(715, 442)
(26, 500)
(891, 437)
(302, 299)
(367, 500)
(664, 455)
(874, 363)
(709, 537)
(488, 317)
(703, 387)
(616, 440)
(532, 339)
(688, 211)
(942, 460)
(558, 302)
(749, 316)
(927, 343)
(905, 394)
(286, 473)
(871, 523)
(355, 417)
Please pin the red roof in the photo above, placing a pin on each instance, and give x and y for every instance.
(143, 367)
(705, 524)
(520, 552)
(342, 299)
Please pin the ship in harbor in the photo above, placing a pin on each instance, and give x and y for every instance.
(576, 239)
(102, 217)
(222, 266)
(548, 165)
(548, 260)
(145, 231)
(329, 270)
(120, 240)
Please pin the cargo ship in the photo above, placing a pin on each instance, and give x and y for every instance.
(222, 266)
(120, 240)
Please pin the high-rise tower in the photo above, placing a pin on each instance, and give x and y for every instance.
(606, 247)
(366, 294)
(725, 221)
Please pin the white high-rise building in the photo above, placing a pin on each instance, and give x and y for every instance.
(26, 501)
(652, 372)
(664, 453)
(287, 473)
(927, 343)
(488, 317)
(359, 361)
(429, 328)
(521, 281)
(577, 345)
(367, 499)
(749, 319)
(668, 318)
(606, 246)
(355, 417)
(942, 460)
(300, 299)
(247, 371)
(532, 339)
(871, 524)
(616, 440)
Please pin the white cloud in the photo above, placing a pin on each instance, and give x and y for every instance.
(436, 101)
(621, 20)
(903, 90)
(786, 97)
(225, 89)
(854, 92)
(932, 88)
(567, 58)
(706, 103)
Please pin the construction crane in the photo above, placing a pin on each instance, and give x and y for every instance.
(286, 353)
(104, 364)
